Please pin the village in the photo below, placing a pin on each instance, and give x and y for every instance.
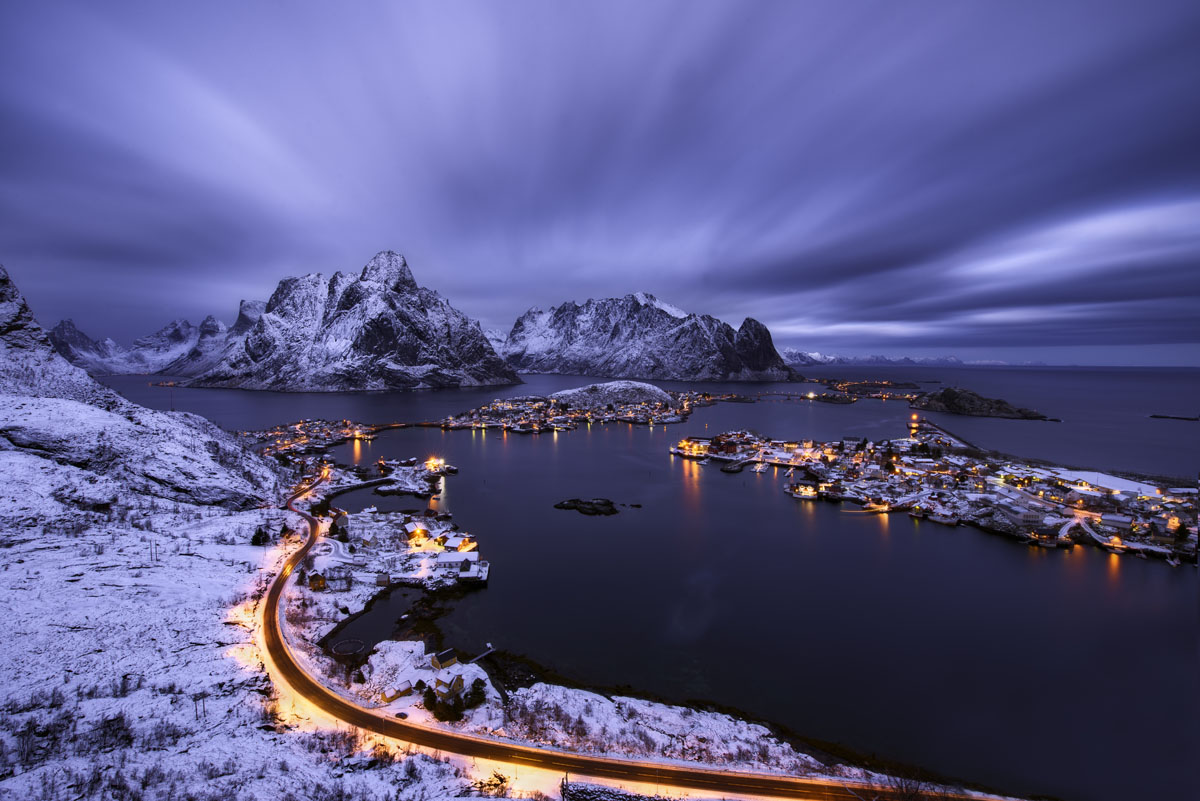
(308, 436)
(931, 474)
(359, 555)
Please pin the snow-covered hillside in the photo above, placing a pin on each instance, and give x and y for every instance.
(130, 668)
(639, 336)
(54, 411)
(598, 396)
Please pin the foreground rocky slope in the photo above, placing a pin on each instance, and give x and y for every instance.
(638, 336)
(75, 445)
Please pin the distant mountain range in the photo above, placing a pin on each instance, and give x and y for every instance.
(639, 336)
(799, 358)
(379, 330)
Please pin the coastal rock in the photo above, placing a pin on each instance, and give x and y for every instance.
(639, 336)
(954, 400)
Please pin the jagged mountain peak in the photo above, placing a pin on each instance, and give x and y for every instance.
(248, 313)
(18, 330)
(389, 268)
(211, 327)
(374, 330)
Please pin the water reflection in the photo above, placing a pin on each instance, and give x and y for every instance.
(691, 481)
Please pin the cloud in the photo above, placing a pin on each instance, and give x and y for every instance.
(856, 177)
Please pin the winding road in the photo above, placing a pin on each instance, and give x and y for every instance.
(709, 779)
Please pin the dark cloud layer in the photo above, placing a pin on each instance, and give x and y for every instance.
(997, 180)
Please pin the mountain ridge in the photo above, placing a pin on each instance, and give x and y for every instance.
(639, 336)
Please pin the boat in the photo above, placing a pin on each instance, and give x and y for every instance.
(761, 467)
(789, 472)
(877, 508)
(705, 460)
(916, 512)
(370, 510)
(944, 519)
(1173, 561)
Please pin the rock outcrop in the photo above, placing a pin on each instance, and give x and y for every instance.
(953, 400)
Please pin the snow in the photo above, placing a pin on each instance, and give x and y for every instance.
(615, 392)
(131, 653)
(1106, 481)
(649, 300)
(376, 331)
(638, 336)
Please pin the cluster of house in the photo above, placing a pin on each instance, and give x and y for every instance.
(535, 415)
(307, 436)
(880, 390)
(448, 681)
(444, 552)
(932, 474)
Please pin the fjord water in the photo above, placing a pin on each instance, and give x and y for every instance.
(1063, 673)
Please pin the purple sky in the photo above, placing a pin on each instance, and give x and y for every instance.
(994, 180)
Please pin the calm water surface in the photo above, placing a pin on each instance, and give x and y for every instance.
(1064, 673)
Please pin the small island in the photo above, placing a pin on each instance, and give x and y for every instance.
(954, 400)
(595, 506)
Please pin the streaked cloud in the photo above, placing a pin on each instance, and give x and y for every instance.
(859, 177)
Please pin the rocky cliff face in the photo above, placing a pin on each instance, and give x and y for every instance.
(378, 330)
(76, 445)
(639, 336)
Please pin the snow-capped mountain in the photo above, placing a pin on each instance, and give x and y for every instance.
(800, 358)
(639, 336)
(150, 354)
(374, 331)
(69, 445)
(214, 341)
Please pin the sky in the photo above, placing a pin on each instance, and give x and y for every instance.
(1015, 181)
